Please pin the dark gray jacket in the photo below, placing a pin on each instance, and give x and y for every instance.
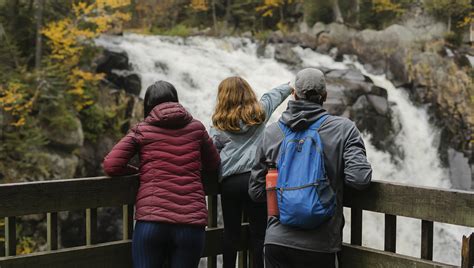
(237, 149)
(345, 162)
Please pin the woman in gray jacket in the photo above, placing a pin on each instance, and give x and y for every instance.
(238, 121)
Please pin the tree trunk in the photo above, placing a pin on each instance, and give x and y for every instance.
(356, 12)
(282, 16)
(337, 12)
(214, 16)
(227, 13)
(449, 23)
(39, 35)
(14, 10)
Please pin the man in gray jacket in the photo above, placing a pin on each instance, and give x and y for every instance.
(345, 163)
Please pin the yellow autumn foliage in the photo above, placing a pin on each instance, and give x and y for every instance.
(270, 5)
(199, 5)
(67, 39)
(15, 101)
(380, 6)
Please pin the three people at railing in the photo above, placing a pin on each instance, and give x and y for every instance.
(175, 149)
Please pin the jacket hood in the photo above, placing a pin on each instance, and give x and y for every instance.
(300, 114)
(169, 115)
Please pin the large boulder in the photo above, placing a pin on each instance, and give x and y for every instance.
(119, 72)
(354, 95)
(67, 137)
(61, 165)
(284, 53)
(413, 55)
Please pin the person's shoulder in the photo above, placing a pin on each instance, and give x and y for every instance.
(196, 124)
(339, 121)
(273, 131)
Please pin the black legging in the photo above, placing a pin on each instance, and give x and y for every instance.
(235, 199)
(156, 243)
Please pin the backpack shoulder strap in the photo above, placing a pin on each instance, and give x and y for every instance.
(316, 125)
(284, 128)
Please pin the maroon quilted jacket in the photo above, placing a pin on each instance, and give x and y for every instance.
(174, 148)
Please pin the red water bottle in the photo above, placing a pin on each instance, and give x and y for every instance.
(271, 183)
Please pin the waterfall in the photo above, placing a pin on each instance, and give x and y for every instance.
(196, 65)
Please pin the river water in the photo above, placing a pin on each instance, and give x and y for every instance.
(196, 65)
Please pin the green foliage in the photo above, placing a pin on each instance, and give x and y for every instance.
(100, 120)
(318, 10)
(37, 103)
(178, 30)
(453, 38)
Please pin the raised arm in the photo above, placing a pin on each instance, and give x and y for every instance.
(116, 162)
(273, 98)
(357, 170)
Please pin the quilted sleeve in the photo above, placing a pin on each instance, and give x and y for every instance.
(116, 162)
(210, 157)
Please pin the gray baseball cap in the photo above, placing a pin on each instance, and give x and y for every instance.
(309, 79)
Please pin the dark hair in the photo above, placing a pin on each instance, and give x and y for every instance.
(316, 97)
(160, 92)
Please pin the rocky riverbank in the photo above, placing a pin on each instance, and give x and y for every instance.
(415, 57)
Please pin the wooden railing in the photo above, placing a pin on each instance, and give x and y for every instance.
(50, 197)
(427, 204)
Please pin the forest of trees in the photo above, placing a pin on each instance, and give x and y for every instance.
(46, 51)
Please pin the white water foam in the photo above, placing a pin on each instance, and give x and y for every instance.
(196, 66)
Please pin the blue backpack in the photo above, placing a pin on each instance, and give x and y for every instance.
(305, 197)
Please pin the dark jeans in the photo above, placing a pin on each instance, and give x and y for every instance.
(284, 257)
(235, 199)
(154, 243)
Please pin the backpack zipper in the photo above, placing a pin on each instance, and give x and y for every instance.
(281, 189)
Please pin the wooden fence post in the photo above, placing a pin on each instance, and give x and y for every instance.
(467, 252)
(52, 230)
(356, 226)
(211, 223)
(390, 233)
(427, 240)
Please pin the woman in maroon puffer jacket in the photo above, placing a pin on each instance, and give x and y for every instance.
(171, 212)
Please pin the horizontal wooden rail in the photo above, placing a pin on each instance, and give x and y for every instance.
(430, 204)
(361, 257)
(113, 254)
(19, 199)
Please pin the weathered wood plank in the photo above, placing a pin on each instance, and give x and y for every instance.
(64, 195)
(356, 226)
(113, 254)
(390, 233)
(52, 230)
(427, 240)
(10, 236)
(413, 201)
(91, 226)
(127, 221)
(107, 255)
(361, 257)
(467, 253)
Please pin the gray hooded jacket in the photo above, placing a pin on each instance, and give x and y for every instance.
(237, 149)
(345, 162)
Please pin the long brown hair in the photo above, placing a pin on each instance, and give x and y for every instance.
(236, 102)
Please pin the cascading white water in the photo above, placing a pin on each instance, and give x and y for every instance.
(196, 65)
